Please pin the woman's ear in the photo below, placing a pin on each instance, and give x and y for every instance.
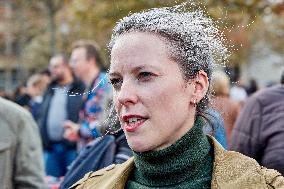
(200, 89)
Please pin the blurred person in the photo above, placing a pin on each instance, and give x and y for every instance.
(46, 76)
(18, 92)
(161, 64)
(252, 87)
(214, 126)
(21, 158)
(238, 92)
(87, 65)
(60, 103)
(259, 130)
(36, 86)
(221, 101)
(32, 97)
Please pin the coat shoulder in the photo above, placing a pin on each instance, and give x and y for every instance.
(112, 176)
(273, 178)
(240, 170)
(235, 170)
(93, 177)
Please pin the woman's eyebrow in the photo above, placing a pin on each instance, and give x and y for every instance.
(134, 70)
(144, 67)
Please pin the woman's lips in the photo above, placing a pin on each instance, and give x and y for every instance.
(132, 126)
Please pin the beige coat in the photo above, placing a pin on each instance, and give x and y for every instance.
(231, 170)
(21, 159)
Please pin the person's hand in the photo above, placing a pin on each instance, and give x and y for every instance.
(71, 131)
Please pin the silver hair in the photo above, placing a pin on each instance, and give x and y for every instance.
(193, 39)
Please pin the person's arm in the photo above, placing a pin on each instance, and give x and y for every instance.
(29, 167)
(246, 132)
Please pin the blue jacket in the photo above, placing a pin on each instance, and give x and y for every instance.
(214, 125)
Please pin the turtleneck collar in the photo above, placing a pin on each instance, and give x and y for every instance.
(186, 160)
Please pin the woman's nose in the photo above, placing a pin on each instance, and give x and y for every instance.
(127, 94)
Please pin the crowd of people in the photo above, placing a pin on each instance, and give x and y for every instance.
(161, 113)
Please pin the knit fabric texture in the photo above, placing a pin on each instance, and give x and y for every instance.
(187, 164)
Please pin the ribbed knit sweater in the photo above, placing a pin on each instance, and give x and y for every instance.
(186, 164)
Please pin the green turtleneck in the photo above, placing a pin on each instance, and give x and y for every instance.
(187, 164)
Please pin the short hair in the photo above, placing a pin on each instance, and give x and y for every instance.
(92, 51)
(193, 40)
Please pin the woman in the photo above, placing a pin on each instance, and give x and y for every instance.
(161, 62)
(221, 101)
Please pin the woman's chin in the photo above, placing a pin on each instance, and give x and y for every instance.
(139, 146)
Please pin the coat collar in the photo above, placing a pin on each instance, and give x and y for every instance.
(230, 170)
(125, 169)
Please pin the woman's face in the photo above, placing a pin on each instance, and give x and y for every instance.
(152, 99)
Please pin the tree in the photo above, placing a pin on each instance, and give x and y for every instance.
(42, 27)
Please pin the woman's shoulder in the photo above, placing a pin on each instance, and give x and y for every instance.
(231, 170)
(113, 176)
(235, 170)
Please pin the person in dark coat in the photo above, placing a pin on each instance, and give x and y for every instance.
(259, 130)
(61, 102)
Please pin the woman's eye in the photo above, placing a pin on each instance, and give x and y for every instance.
(116, 83)
(144, 76)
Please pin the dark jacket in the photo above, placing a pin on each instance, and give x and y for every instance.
(259, 130)
(74, 102)
(99, 153)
